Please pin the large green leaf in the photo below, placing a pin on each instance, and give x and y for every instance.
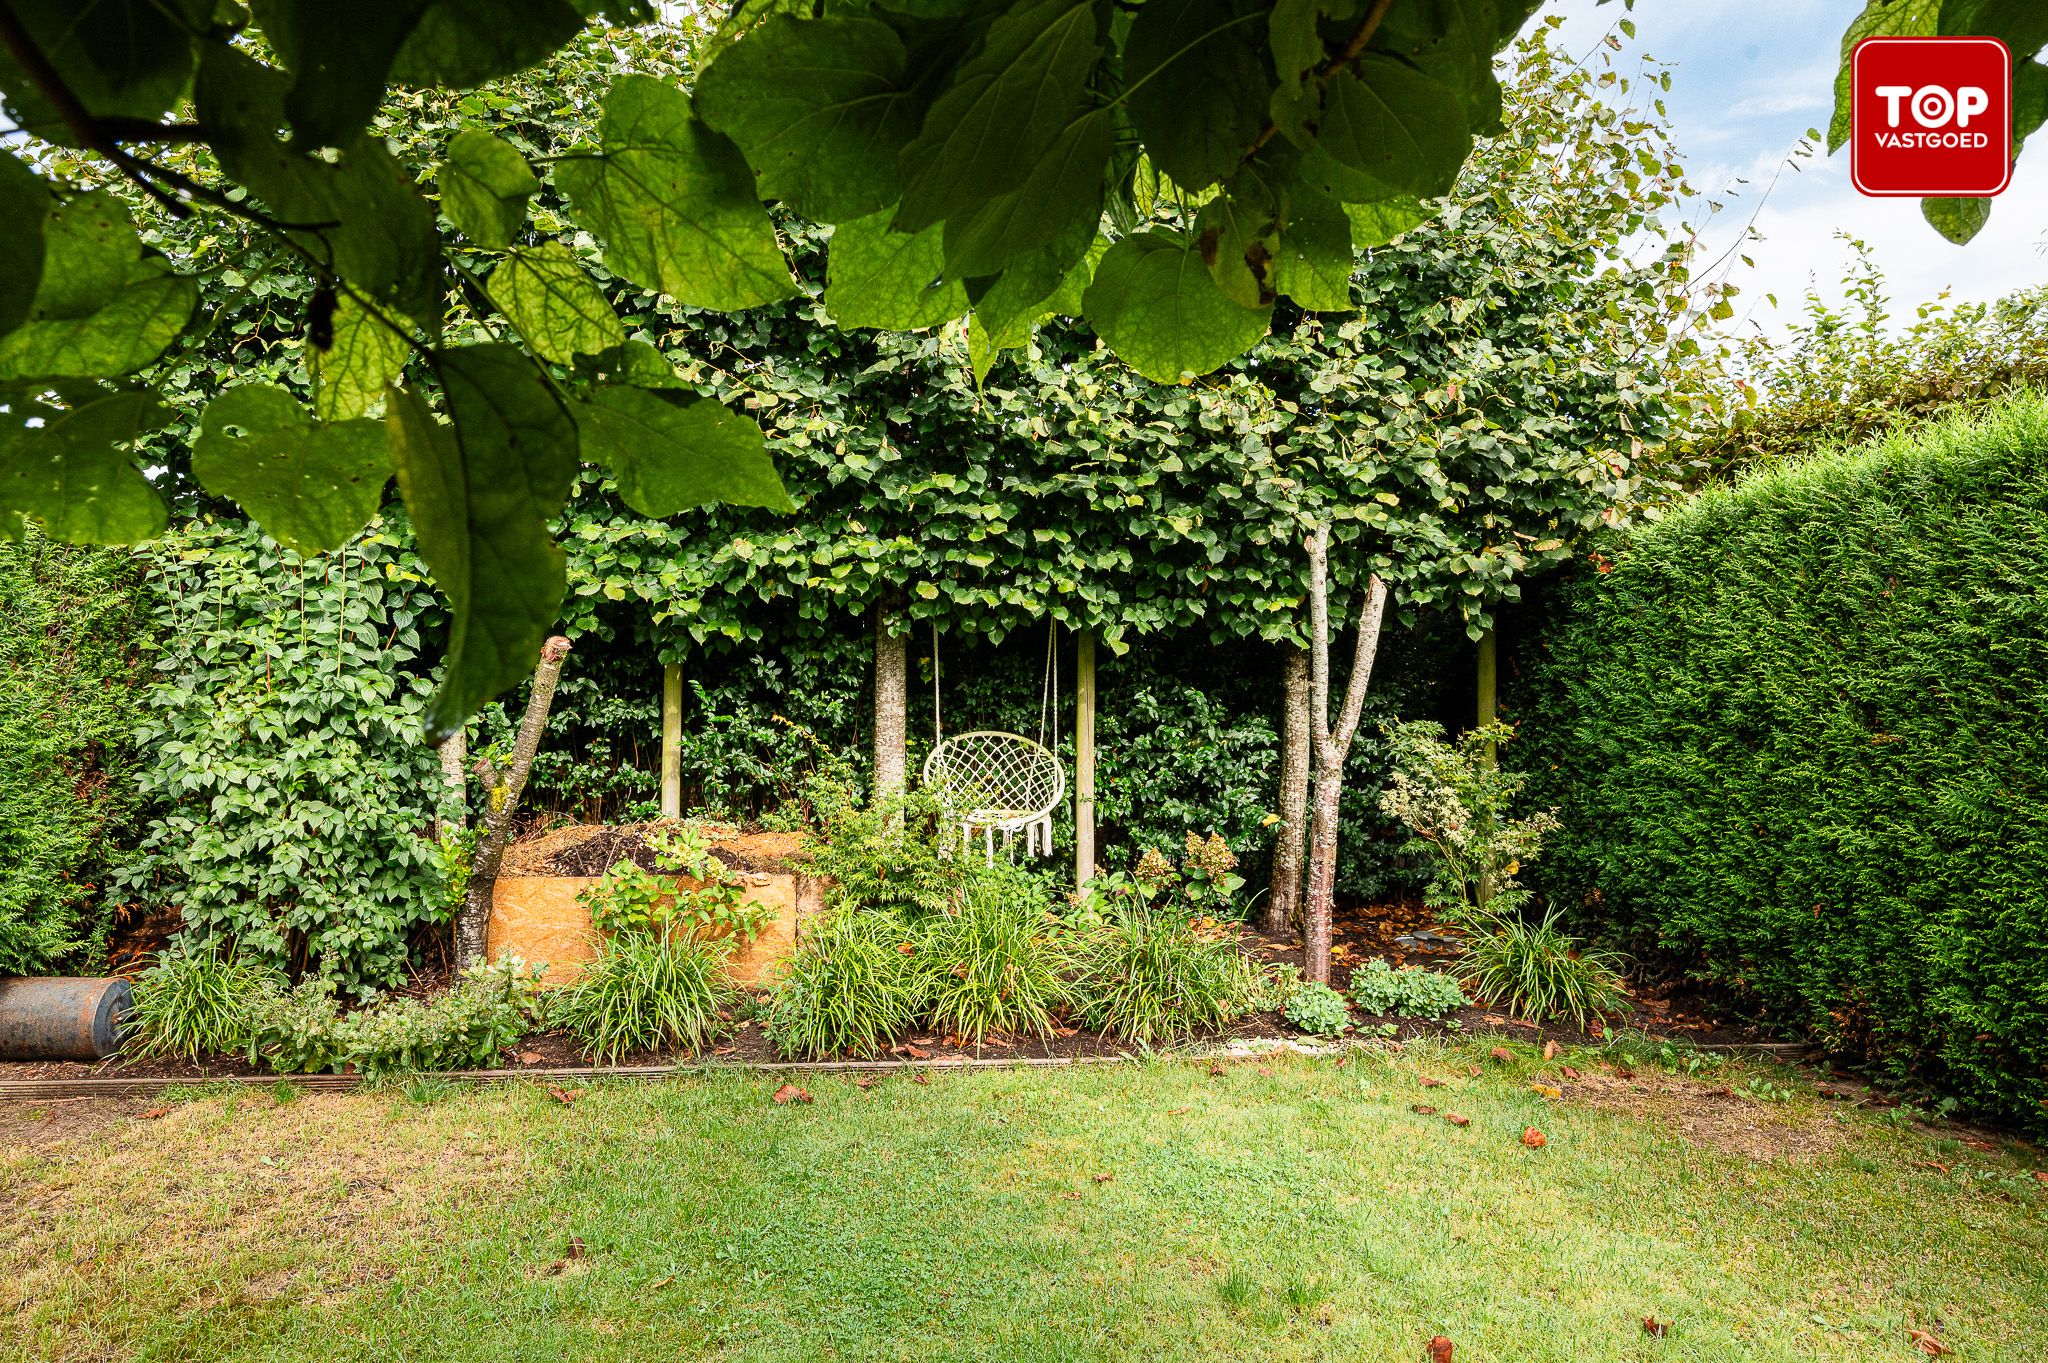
(101, 308)
(485, 184)
(1200, 87)
(879, 277)
(1402, 128)
(24, 205)
(1292, 31)
(1879, 19)
(310, 487)
(1454, 41)
(1376, 224)
(481, 492)
(1957, 219)
(555, 303)
(1314, 262)
(1062, 191)
(359, 213)
(339, 57)
(822, 109)
(349, 377)
(464, 43)
(675, 203)
(1007, 106)
(668, 453)
(1155, 302)
(119, 58)
(75, 475)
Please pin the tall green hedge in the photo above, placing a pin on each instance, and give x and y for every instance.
(71, 622)
(1798, 733)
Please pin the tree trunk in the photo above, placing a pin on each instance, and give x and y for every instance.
(1283, 899)
(1332, 740)
(892, 698)
(454, 757)
(506, 789)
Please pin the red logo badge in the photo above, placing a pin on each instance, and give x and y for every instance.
(1931, 117)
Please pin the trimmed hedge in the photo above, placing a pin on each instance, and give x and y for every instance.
(1798, 734)
(71, 624)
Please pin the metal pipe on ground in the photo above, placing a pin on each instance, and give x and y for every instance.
(62, 1017)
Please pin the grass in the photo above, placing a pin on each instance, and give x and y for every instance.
(1289, 1209)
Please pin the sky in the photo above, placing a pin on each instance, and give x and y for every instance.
(1749, 80)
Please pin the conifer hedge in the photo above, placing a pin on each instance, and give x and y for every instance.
(1798, 734)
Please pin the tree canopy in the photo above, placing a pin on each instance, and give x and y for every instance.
(1178, 173)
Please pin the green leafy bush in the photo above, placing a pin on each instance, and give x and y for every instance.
(855, 980)
(468, 1027)
(997, 963)
(1381, 989)
(647, 990)
(1799, 736)
(1455, 799)
(1150, 978)
(1540, 972)
(890, 854)
(281, 752)
(629, 899)
(194, 1002)
(71, 622)
(1317, 1009)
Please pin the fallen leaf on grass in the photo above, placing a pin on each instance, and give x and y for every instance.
(155, 1113)
(1936, 1165)
(1534, 1139)
(1265, 1069)
(1430, 1083)
(576, 1250)
(1987, 1147)
(1547, 1090)
(1653, 1326)
(1472, 1070)
(1550, 1050)
(566, 1097)
(1070, 1197)
(1104, 1178)
(661, 1282)
(866, 1081)
(1502, 1054)
(1455, 1120)
(1215, 1070)
(1569, 1073)
(1422, 1109)
(1926, 1343)
(921, 1077)
(1178, 1111)
(1438, 1350)
(2041, 1175)
(1065, 1031)
(790, 1093)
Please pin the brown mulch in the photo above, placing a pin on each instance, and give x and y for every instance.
(593, 849)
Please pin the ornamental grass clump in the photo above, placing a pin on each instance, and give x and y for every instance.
(1152, 979)
(999, 961)
(856, 979)
(645, 991)
(195, 1002)
(1539, 972)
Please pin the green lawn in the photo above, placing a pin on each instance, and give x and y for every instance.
(1290, 1209)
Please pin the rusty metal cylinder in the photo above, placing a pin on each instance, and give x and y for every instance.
(62, 1018)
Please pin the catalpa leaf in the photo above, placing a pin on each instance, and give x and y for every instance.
(1315, 257)
(1200, 88)
(116, 58)
(1390, 122)
(311, 488)
(878, 277)
(555, 304)
(368, 353)
(75, 475)
(1063, 190)
(481, 491)
(675, 203)
(1455, 41)
(669, 452)
(821, 108)
(1007, 105)
(485, 184)
(1376, 224)
(358, 213)
(101, 307)
(461, 44)
(1155, 303)
(1957, 219)
(636, 363)
(24, 204)
(1297, 45)
(339, 57)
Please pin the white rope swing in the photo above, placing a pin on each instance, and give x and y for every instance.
(990, 781)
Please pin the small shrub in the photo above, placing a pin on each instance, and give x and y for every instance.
(487, 1011)
(1152, 979)
(997, 963)
(1318, 1010)
(1539, 972)
(1455, 799)
(196, 1002)
(632, 900)
(645, 991)
(891, 854)
(855, 980)
(294, 1034)
(1379, 988)
(1210, 881)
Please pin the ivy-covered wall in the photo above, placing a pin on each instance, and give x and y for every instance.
(72, 623)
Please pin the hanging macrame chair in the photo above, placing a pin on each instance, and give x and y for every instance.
(989, 782)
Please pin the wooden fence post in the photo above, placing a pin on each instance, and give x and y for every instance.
(672, 741)
(1084, 758)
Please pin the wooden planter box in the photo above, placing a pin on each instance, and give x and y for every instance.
(538, 918)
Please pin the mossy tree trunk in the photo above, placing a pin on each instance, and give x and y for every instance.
(892, 696)
(1283, 898)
